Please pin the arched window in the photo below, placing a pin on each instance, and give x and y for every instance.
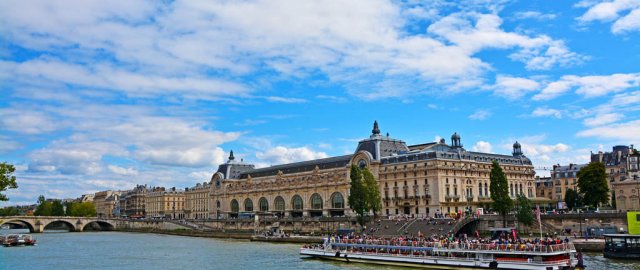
(297, 203)
(316, 201)
(235, 207)
(248, 205)
(486, 190)
(218, 204)
(264, 204)
(337, 201)
(279, 203)
(480, 189)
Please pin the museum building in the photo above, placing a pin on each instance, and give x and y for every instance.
(416, 180)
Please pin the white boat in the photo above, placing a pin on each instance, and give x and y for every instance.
(454, 256)
(13, 240)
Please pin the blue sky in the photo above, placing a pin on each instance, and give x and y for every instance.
(108, 94)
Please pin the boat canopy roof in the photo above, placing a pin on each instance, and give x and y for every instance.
(620, 235)
(382, 246)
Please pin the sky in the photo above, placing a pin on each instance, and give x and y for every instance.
(100, 95)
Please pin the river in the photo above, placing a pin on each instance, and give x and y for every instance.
(118, 250)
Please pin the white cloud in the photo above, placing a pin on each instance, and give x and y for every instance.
(536, 15)
(8, 145)
(602, 119)
(285, 99)
(73, 158)
(513, 87)
(541, 52)
(27, 122)
(590, 86)
(192, 49)
(282, 155)
(544, 111)
(482, 146)
(608, 11)
(626, 132)
(122, 171)
(480, 115)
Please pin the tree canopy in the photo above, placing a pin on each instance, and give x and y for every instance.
(364, 194)
(572, 198)
(81, 209)
(524, 211)
(7, 179)
(592, 184)
(10, 211)
(499, 188)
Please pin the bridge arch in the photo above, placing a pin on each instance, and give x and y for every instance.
(67, 223)
(98, 225)
(18, 221)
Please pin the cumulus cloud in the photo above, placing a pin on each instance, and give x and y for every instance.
(482, 146)
(480, 115)
(535, 15)
(623, 132)
(282, 155)
(590, 86)
(193, 49)
(27, 122)
(544, 111)
(602, 119)
(513, 87)
(625, 14)
(122, 171)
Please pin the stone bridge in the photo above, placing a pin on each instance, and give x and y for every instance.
(38, 224)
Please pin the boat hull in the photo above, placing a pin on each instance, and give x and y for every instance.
(424, 262)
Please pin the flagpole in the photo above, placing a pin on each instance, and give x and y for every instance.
(539, 220)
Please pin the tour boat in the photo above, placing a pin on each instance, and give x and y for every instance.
(622, 246)
(451, 256)
(13, 240)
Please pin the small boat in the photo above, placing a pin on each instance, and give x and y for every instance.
(14, 240)
(622, 246)
(453, 256)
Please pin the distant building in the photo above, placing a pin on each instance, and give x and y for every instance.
(161, 203)
(132, 202)
(418, 180)
(564, 178)
(87, 197)
(544, 189)
(623, 170)
(107, 203)
(197, 201)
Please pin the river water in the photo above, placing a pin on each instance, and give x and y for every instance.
(118, 250)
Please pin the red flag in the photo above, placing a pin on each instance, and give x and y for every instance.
(515, 235)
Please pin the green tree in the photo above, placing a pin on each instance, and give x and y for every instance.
(571, 198)
(9, 211)
(613, 199)
(592, 184)
(84, 209)
(44, 207)
(68, 207)
(524, 211)
(56, 208)
(357, 199)
(372, 192)
(499, 188)
(7, 179)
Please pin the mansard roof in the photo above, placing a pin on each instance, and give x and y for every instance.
(298, 167)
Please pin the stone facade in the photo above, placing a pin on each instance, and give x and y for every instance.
(132, 202)
(544, 188)
(161, 203)
(564, 178)
(623, 170)
(107, 203)
(197, 201)
(418, 180)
